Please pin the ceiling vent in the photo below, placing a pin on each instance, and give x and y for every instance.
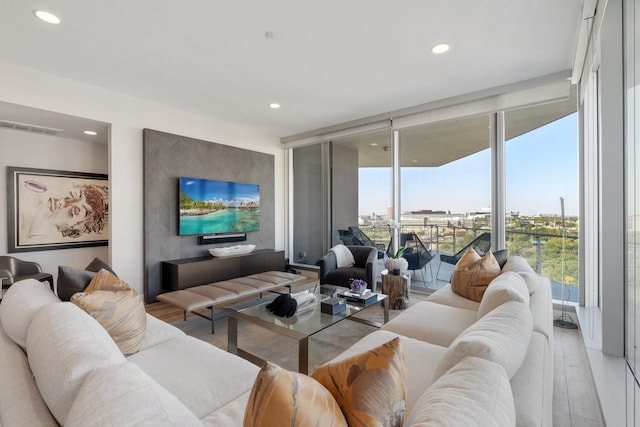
(29, 128)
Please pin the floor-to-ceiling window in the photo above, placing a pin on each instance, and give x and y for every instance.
(434, 174)
(361, 184)
(541, 156)
(632, 224)
(307, 185)
(445, 192)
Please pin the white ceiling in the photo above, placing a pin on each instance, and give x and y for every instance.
(329, 61)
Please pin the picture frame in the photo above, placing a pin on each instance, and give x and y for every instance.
(53, 209)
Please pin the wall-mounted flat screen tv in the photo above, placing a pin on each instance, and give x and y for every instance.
(212, 207)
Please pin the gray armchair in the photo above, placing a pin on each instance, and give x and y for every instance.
(365, 267)
(13, 270)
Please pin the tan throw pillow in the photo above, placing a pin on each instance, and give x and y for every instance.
(117, 308)
(284, 398)
(369, 387)
(473, 274)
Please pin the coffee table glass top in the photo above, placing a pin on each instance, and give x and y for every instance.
(308, 319)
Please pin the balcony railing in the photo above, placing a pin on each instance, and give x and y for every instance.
(544, 249)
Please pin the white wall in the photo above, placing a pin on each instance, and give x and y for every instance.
(128, 116)
(26, 149)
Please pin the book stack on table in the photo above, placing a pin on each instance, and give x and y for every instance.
(363, 297)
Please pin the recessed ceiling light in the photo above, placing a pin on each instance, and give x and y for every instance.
(274, 105)
(440, 48)
(414, 161)
(374, 144)
(47, 17)
(90, 132)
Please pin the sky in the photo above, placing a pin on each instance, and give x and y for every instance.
(220, 191)
(541, 167)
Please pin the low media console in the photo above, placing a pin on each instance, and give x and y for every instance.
(185, 273)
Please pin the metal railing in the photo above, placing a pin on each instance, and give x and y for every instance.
(545, 251)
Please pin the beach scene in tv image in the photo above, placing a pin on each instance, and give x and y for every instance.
(209, 206)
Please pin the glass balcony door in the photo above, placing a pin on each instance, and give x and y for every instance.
(445, 189)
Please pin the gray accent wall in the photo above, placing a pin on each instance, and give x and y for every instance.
(167, 157)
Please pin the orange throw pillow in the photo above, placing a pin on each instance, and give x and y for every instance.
(473, 273)
(284, 398)
(369, 387)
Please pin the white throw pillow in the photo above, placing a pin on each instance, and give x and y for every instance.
(20, 303)
(506, 287)
(520, 265)
(64, 344)
(474, 392)
(502, 336)
(123, 395)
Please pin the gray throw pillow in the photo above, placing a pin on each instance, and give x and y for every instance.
(97, 264)
(72, 280)
(501, 257)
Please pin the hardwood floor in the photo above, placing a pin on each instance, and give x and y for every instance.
(574, 397)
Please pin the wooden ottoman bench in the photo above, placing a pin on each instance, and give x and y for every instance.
(228, 291)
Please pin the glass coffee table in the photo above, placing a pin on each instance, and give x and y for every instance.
(304, 324)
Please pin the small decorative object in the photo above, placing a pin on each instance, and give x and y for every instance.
(396, 262)
(358, 286)
(228, 251)
(333, 305)
(284, 306)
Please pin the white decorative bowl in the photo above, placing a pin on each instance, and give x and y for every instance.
(232, 250)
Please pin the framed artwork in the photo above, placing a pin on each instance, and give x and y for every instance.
(52, 209)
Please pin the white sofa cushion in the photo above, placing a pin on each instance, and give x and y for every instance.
(446, 296)
(532, 385)
(474, 392)
(64, 344)
(205, 378)
(506, 287)
(501, 336)
(520, 265)
(123, 395)
(230, 414)
(158, 332)
(20, 401)
(20, 303)
(433, 323)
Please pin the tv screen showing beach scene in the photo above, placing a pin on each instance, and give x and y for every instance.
(211, 207)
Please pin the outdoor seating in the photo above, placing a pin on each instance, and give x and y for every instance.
(361, 239)
(480, 244)
(416, 254)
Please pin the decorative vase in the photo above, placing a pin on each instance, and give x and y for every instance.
(396, 263)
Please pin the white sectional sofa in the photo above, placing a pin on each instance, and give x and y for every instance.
(60, 367)
(511, 327)
(467, 363)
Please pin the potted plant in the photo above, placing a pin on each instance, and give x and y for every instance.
(396, 261)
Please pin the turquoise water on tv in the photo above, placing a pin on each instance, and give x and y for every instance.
(225, 221)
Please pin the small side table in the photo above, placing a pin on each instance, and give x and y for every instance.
(397, 287)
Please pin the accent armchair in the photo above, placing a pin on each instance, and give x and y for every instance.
(13, 270)
(365, 267)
